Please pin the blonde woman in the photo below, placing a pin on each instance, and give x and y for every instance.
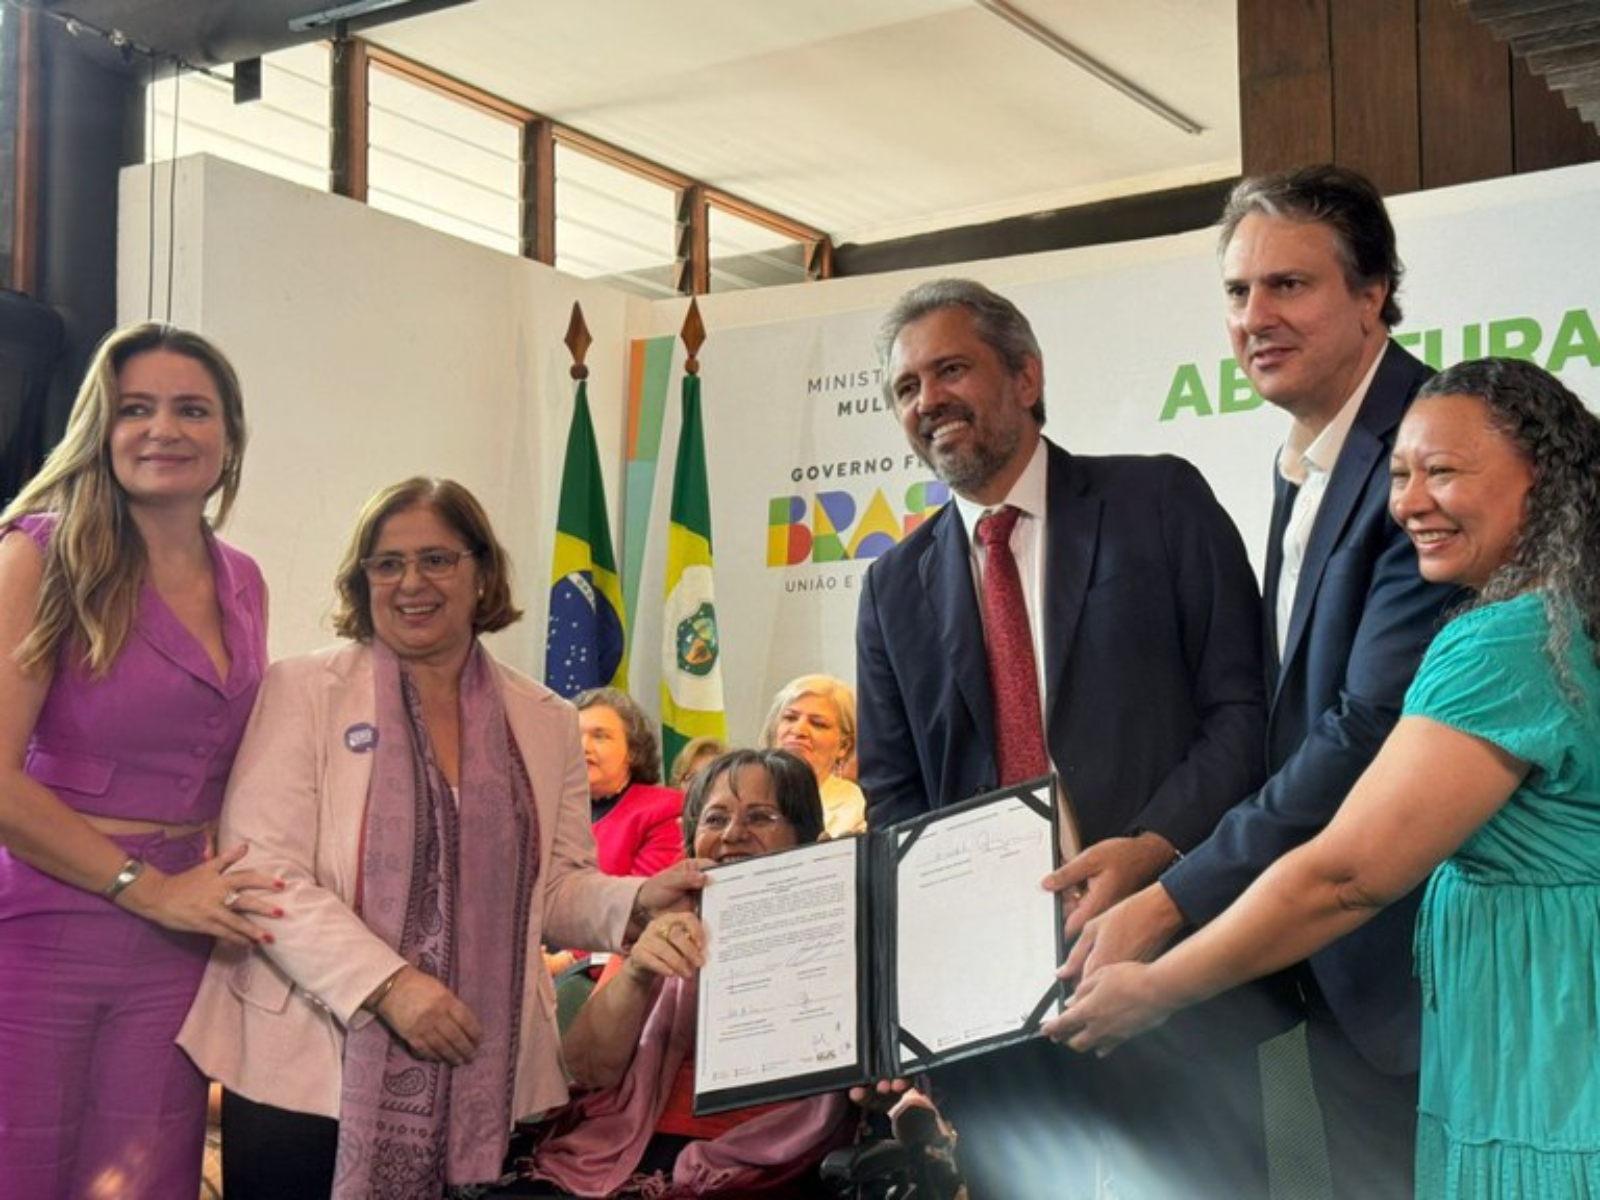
(132, 641)
(697, 752)
(814, 717)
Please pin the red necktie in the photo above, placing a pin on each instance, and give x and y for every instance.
(1018, 727)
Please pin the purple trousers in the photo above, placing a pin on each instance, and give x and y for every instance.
(95, 1099)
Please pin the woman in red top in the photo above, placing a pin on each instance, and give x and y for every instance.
(636, 822)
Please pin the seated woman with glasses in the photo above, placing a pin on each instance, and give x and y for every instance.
(631, 1048)
(426, 809)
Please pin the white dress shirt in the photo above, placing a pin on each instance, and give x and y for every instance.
(1309, 469)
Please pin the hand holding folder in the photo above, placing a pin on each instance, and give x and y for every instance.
(834, 964)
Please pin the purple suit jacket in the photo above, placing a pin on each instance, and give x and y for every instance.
(154, 739)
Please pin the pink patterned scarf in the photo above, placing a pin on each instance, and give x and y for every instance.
(447, 885)
(596, 1142)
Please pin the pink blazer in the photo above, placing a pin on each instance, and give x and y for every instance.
(270, 1024)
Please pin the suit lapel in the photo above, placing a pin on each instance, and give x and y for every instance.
(351, 743)
(1073, 532)
(238, 625)
(159, 626)
(1339, 503)
(1364, 452)
(1272, 574)
(946, 573)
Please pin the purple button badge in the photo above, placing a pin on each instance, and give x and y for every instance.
(361, 739)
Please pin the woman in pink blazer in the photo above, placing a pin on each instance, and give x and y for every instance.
(428, 811)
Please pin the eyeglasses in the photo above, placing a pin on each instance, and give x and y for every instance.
(756, 820)
(431, 564)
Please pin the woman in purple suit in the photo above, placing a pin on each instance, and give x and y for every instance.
(132, 642)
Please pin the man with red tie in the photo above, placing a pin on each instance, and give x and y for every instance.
(1094, 616)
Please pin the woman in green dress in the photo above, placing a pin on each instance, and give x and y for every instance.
(1490, 782)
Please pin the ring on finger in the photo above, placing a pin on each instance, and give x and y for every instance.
(230, 898)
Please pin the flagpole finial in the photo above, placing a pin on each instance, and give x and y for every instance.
(694, 336)
(578, 341)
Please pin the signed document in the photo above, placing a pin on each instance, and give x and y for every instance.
(869, 957)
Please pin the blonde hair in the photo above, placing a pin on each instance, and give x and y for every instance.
(95, 558)
(834, 690)
(696, 753)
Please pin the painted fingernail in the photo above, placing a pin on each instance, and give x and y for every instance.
(278, 885)
(268, 938)
(277, 912)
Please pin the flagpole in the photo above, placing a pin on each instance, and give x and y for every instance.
(586, 640)
(691, 645)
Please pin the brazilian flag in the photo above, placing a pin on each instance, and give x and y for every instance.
(587, 642)
(691, 652)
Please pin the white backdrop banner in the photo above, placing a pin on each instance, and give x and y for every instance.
(811, 478)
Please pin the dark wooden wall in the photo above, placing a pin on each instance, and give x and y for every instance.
(1413, 93)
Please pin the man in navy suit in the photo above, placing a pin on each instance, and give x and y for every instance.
(1144, 620)
(1310, 273)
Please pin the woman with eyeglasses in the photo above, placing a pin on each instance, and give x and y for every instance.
(630, 1049)
(427, 810)
(132, 641)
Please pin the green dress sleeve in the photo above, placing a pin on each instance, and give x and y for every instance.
(1489, 674)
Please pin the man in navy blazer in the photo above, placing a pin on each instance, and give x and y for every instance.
(1144, 616)
(1310, 271)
